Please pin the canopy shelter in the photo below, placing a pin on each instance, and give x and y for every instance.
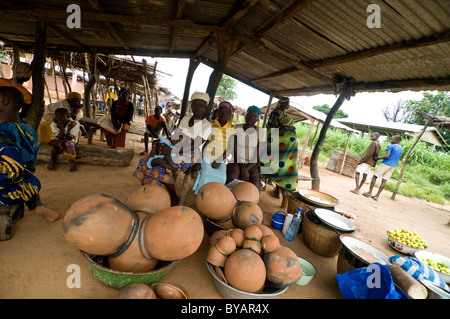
(280, 47)
(431, 135)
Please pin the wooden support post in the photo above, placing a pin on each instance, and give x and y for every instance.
(56, 80)
(405, 159)
(193, 64)
(63, 72)
(36, 111)
(305, 144)
(314, 137)
(323, 133)
(345, 153)
(267, 110)
(48, 91)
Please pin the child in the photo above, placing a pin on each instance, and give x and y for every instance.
(367, 161)
(65, 136)
(387, 166)
(154, 123)
(159, 168)
(19, 145)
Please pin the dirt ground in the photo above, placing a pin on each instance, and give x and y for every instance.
(34, 263)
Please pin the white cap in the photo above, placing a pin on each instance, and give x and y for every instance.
(200, 96)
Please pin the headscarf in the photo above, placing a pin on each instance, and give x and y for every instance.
(74, 95)
(227, 105)
(166, 141)
(284, 99)
(200, 96)
(254, 108)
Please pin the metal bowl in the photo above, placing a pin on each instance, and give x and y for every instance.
(435, 257)
(404, 249)
(316, 198)
(118, 279)
(228, 292)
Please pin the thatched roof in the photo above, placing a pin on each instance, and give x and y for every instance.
(284, 47)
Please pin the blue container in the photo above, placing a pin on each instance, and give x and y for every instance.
(278, 219)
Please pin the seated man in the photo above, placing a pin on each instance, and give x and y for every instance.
(19, 145)
(154, 123)
(65, 136)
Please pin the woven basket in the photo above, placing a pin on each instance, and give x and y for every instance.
(294, 204)
(320, 239)
(347, 261)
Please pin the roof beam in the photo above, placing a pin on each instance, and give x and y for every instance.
(99, 8)
(247, 5)
(405, 45)
(179, 10)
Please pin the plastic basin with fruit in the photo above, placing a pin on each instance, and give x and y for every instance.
(439, 263)
(405, 241)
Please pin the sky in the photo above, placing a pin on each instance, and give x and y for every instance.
(363, 106)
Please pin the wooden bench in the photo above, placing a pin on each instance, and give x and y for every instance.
(92, 126)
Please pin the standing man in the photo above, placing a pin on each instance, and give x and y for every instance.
(367, 161)
(154, 123)
(387, 166)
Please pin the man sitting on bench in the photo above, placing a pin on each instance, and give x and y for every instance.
(155, 123)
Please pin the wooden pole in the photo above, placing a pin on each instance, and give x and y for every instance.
(193, 64)
(63, 72)
(305, 144)
(36, 111)
(48, 91)
(405, 159)
(315, 134)
(314, 172)
(345, 153)
(267, 110)
(56, 80)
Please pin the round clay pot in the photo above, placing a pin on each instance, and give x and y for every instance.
(215, 201)
(100, 225)
(247, 214)
(172, 234)
(265, 230)
(246, 192)
(245, 270)
(270, 243)
(283, 267)
(226, 245)
(136, 291)
(238, 235)
(149, 199)
(252, 239)
(167, 291)
(132, 259)
(215, 237)
(215, 257)
(226, 224)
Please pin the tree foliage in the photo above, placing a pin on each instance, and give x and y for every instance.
(226, 88)
(325, 108)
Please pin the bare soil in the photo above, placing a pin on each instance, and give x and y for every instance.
(34, 263)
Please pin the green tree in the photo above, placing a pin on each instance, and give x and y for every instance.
(435, 104)
(226, 88)
(325, 108)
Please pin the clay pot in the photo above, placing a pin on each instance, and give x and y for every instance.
(226, 223)
(265, 230)
(245, 270)
(252, 239)
(216, 236)
(246, 192)
(132, 259)
(215, 201)
(226, 245)
(283, 267)
(149, 199)
(168, 291)
(270, 243)
(238, 235)
(247, 214)
(100, 225)
(136, 291)
(171, 234)
(215, 257)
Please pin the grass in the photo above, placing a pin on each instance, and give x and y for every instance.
(427, 173)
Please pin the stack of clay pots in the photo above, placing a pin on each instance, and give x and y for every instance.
(235, 208)
(135, 235)
(251, 259)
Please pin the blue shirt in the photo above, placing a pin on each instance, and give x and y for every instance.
(396, 151)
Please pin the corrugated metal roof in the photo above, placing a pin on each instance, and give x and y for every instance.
(286, 47)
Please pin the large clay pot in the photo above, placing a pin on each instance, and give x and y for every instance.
(215, 201)
(246, 192)
(136, 291)
(247, 214)
(283, 267)
(252, 239)
(245, 270)
(100, 225)
(149, 199)
(132, 259)
(215, 237)
(171, 234)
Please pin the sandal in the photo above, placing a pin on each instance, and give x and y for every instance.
(354, 191)
(374, 198)
(367, 195)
